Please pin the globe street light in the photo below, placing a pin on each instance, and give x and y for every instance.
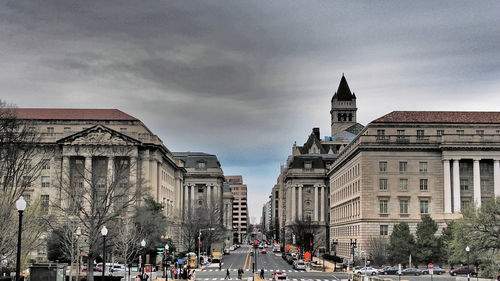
(78, 233)
(104, 232)
(467, 249)
(21, 206)
(143, 245)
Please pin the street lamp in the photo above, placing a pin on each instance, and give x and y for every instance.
(143, 245)
(21, 206)
(199, 243)
(165, 269)
(467, 249)
(104, 232)
(78, 233)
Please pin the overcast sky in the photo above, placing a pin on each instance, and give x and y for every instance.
(245, 79)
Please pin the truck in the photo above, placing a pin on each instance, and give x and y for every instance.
(217, 257)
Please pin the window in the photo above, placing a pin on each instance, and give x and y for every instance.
(498, 132)
(480, 132)
(424, 184)
(403, 184)
(46, 164)
(308, 165)
(460, 132)
(465, 204)
(424, 206)
(123, 130)
(26, 181)
(44, 204)
(464, 184)
(45, 181)
(403, 166)
(384, 230)
(403, 206)
(383, 184)
(67, 129)
(483, 166)
(50, 131)
(401, 134)
(382, 166)
(27, 198)
(420, 134)
(202, 165)
(200, 189)
(380, 134)
(440, 132)
(383, 206)
(422, 167)
(484, 185)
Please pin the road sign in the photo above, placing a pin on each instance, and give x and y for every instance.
(430, 266)
(307, 256)
(160, 249)
(358, 252)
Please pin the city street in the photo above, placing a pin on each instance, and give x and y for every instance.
(272, 262)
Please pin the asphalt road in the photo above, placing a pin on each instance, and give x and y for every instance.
(271, 262)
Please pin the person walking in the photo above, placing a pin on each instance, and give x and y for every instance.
(227, 275)
(220, 265)
(262, 273)
(138, 278)
(240, 272)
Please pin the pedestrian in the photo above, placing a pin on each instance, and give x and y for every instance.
(227, 274)
(274, 275)
(145, 277)
(138, 278)
(262, 273)
(240, 273)
(220, 265)
(193, 275)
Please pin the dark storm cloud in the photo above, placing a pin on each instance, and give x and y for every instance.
(244, 79)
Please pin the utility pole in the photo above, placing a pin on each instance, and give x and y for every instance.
(353, 242)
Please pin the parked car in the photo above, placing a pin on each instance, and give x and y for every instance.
(463, 270)
(226, 251)
(366, 270)
(436, 270)
(232, 248)
(392, 270)
(263, 251)
(411, 271)
(299, 265)
(290, 259)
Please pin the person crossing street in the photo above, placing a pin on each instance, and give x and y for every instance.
(227, 274)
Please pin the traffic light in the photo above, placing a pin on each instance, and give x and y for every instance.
(311, 244)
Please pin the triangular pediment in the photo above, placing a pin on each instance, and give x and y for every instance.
(99, 135)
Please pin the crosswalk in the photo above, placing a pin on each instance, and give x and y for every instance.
(265, 270)
(270, 279)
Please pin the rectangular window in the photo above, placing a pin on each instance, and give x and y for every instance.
(44, 204)
(422, 167)
(498, 132)
(27, 198)
(440, 132)
(460, 132)
(483, 166)
(484, 185)
(401, 134)
(465, 204)
(380, 134)
(123, 130)
(383, 184)
(45, 181)
(464, 184)
(384, 230)
(382, 166)
(403, 166)
(403, 184)
(202, 165)
(26, 181)
(420, 134)
(67, 129)
(308, 165)
(424, 206)
(423, 184)
(403, 206)
(46, 164)
(480, 132)
(383, 206)
(50, 131)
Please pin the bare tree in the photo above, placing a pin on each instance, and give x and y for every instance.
(378, 249)
(202, 218)
(308, 235)
(21, 158)
(127, 241)
(96, 191)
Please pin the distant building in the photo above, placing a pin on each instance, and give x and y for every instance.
(409, 163)
(240, 208)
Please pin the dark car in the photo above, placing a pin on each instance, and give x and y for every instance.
(463, 270)
(411, 271)
(436, 270)
(390, 270)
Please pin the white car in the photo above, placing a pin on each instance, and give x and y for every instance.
(298, 264)
(366, 271)
(231, 248)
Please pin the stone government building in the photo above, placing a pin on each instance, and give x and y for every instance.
(397, 168)
(173, 179)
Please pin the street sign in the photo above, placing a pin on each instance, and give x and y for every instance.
(160, 249)
(430, 266)
(358, 252)
(307, 256)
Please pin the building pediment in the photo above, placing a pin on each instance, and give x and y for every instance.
(98, 135)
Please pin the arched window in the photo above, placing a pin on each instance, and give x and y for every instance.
(350, 116)
(344, 116)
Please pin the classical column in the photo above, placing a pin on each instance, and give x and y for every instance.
(66, 171)
(209, 196)
(300, 202)
(322, 197)
(132, 177)
(294, 209)
(192, 204)
(316, 203)
(447, 186)
(496, 176)
(111, 171)
(186, 198)
(288, 202)
(456, 186)
(477, 183)
(87, 172)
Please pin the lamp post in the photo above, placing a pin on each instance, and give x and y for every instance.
(21, 206)
(334, 246)
(104, 232)
(166, 252)
(143, 245)
(467, 249)
(199, 243)
(78, 233)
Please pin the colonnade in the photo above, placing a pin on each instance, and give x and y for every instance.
(294, 202)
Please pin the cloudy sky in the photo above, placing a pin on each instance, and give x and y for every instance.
(245, 79)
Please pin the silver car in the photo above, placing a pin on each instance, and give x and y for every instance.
(366, 271)
(299, 265)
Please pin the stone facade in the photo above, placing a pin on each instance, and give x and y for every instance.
(406, 164)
